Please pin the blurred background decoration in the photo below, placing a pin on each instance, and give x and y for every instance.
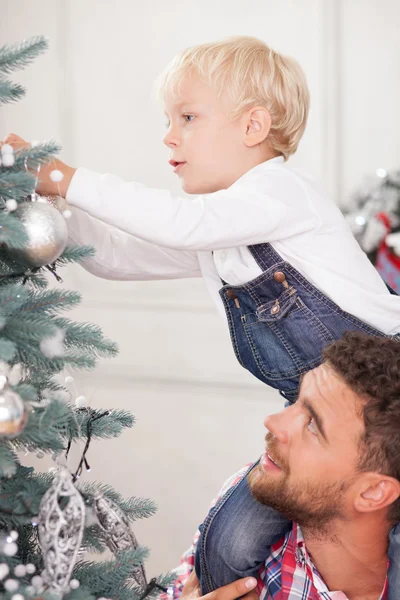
(373, 213)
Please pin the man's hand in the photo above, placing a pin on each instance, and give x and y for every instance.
(237, 589)
(45, 185)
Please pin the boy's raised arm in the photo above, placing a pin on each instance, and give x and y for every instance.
(120, 256)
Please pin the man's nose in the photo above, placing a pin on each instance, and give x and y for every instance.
(280, 424)
(171, 138)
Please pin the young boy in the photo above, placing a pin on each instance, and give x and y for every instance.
(274, 251)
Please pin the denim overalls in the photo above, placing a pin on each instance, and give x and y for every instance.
(279, 325)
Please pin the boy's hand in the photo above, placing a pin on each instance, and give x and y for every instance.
(45, 185)
(241, 588)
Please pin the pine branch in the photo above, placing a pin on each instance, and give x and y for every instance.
(33, 157)
(45, 428)
(109, 578)
(16, 185)
(8, 350)
(87, 337)
(10, 92)
(103, 424)
(12, 231)
(134, 508)
(18, 56)
(51, 301)
(75, 254)
(8, 460)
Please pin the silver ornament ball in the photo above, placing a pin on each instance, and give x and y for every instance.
(13, 414)
(47, 234)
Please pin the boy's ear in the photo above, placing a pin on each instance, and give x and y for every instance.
(258, 124)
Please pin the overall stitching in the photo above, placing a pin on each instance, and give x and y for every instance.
(232, 332)
(207, 524)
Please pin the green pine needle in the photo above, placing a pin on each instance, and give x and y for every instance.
(18, 56)
(10, 92)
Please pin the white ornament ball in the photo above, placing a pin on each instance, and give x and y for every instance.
(13, 416)
(69, 379)
(7, 149)
(10, 549)
(30, 568)
(56, 176)
(81, 402)
(20, 571)
(14, 535)
(74, 584)
(8, 160)
(53, 346)
(4, 570)
(11, 585)
(47, 234)
(11, 205)
(382, 173)
(67, 214)
(17, 597)
(37, 581)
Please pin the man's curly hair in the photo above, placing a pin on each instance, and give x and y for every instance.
(370, 366)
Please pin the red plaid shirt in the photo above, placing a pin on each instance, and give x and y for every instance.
(288, 573)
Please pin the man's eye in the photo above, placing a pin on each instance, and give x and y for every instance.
(188, 118)
(167, 124)
(311, 427)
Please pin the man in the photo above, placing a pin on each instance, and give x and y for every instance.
(332, 466)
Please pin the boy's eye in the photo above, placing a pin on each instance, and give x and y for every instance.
(188, 118)
(311, 427)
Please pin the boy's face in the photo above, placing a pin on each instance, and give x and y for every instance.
(207, 149)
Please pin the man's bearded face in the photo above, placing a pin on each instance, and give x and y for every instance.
(310, 503)
(312, 454)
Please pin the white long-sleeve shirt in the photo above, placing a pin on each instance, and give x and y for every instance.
(144, 233)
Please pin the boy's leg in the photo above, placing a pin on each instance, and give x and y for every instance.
(238, 538)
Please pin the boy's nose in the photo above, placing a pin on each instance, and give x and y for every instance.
(171, 139)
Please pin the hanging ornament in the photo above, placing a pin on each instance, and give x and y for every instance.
(13, 415)
(60, 525)
(118, 534)
(47, 234)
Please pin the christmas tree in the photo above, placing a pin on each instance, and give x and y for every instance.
(48, 521)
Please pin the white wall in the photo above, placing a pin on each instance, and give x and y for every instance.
(199, 414)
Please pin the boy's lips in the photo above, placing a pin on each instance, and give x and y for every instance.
(177, 164)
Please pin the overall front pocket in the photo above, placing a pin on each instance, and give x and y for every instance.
(286, 337)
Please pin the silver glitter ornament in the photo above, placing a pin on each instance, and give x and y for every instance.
(61, 524)
(118, 534)
(47, 234)
(13, 414)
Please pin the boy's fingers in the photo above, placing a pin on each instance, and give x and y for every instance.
(15, 141)
(234, 590)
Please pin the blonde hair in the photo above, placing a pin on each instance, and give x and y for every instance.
(254, 75)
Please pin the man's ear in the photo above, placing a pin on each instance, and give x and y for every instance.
(257, 123)
(376, 491)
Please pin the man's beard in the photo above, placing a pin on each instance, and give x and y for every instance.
(311, 504)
